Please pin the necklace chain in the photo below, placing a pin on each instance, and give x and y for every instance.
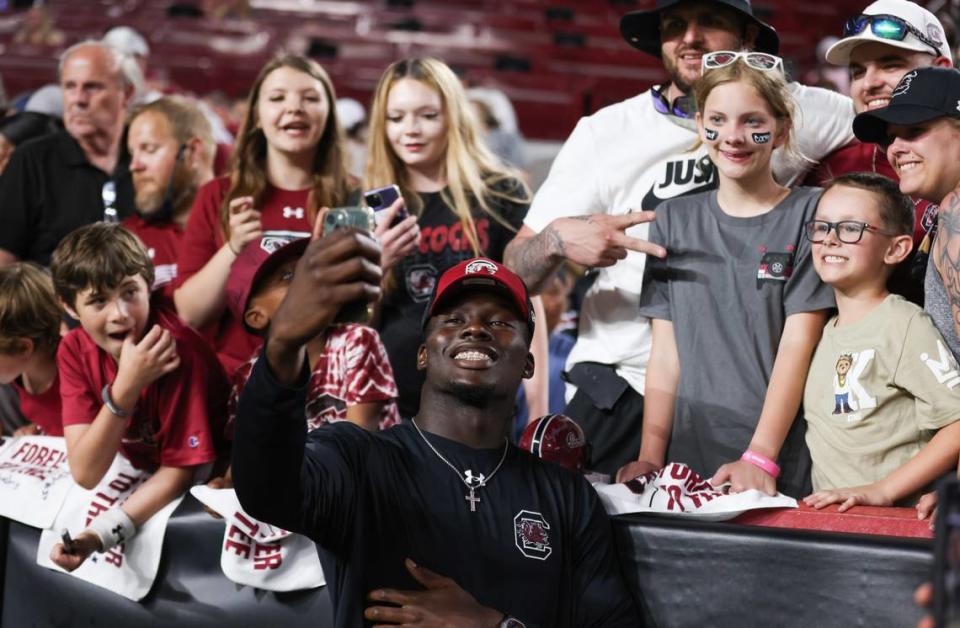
(471, 481)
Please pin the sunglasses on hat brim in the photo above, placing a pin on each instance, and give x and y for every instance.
(888, 27)
(757, 60)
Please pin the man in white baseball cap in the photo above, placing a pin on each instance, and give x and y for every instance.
(883, 43)
(880, 45)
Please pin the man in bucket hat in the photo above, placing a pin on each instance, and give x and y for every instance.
(443, 494)
(920, 130)
(629, 157)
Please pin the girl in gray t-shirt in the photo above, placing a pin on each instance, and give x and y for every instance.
(736, 306)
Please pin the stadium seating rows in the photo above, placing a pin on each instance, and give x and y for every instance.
(557, 61)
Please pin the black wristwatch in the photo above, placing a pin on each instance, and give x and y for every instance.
(512, 622)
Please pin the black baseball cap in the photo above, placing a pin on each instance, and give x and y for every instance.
(641, 29)
(921, 95)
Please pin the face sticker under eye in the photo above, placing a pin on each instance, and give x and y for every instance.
(710, 134)
(761, 138)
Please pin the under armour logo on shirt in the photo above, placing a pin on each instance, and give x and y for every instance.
(290, 212)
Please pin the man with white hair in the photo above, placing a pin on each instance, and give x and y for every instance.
(56, 183)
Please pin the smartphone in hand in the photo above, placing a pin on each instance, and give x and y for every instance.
(381, 199)
(352, 217)
(946, 565)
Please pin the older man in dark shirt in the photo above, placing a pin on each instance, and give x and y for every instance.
(58, 182)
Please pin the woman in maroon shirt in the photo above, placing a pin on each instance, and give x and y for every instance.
(289, 163)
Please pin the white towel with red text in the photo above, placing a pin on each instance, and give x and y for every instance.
(679, 491)
(128, 569)
(34, 479)
(258, 554)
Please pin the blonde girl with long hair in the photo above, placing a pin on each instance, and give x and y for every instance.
(463, 201)
(288, 163)
(736, 307)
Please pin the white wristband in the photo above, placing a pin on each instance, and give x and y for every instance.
(112, 528)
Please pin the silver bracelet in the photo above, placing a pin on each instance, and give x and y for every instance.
(107, 401)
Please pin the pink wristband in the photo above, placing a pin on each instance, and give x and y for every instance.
(762, 462)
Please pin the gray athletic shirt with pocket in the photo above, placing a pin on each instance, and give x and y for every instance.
(728, 285)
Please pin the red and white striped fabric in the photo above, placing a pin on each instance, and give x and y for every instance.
(352, 369)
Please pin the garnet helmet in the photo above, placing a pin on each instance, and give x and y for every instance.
(559, 439)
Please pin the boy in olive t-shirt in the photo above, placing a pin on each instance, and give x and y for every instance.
(882, 397)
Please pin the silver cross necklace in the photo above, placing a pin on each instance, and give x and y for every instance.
(473, 482)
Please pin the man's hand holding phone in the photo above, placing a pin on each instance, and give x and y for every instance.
(341, 268)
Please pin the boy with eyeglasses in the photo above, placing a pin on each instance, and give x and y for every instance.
(882, 396)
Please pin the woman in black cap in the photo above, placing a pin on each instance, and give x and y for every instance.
(921, 129)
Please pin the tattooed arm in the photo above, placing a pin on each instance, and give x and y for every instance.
(595, 240)
(946, 252)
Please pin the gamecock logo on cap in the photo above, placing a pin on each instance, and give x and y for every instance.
(531, 534)
(904, 85)
(482, 266)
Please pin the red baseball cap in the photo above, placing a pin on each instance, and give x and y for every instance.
(256, 261)
(480, 273)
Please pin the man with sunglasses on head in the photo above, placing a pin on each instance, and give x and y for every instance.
(171, 155)
(59, 182)
(887, 40)
(626, 159)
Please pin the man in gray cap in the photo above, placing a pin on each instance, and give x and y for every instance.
(629, 157)
(887, 40)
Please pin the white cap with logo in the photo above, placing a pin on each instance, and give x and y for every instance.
(923, 32)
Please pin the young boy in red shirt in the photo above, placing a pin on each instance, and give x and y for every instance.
(351, 378)
(29, 336)
(134, 379)
(351, 375)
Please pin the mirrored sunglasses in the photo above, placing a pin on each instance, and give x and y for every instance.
(887, 27)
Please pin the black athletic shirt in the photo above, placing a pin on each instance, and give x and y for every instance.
(443, 245)
(49, 189)
(539, 546)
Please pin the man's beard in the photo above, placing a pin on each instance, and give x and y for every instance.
(673, 68)
(163, 203)
(673, 72)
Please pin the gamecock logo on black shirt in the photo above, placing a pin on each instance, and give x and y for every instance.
(531, 533)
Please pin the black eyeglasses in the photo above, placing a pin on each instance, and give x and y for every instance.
(109, 195)
(887, 27)
(848, 231)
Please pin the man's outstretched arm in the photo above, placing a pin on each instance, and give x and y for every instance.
(269, 468)
(595, 240)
